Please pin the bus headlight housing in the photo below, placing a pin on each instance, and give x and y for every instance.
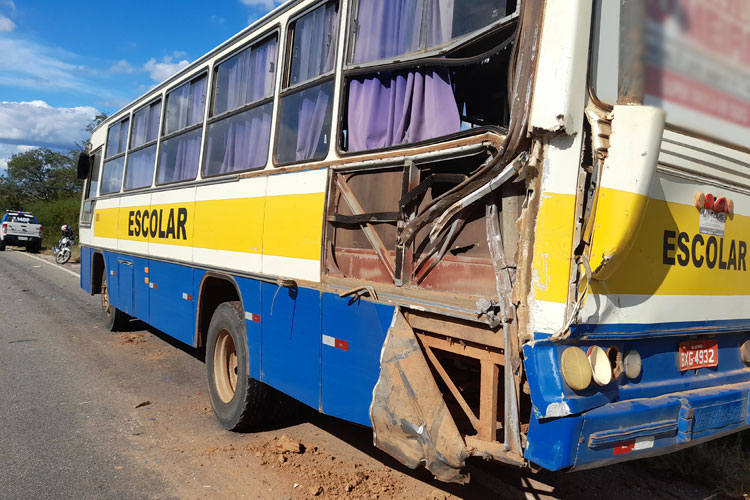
(633, 365)
(601, 368)
(746, 352)
(575, 368)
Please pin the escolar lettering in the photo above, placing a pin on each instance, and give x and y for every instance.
(712, 252)
(145, 223)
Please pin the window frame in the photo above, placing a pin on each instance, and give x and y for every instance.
(286, 90)
(106, 143)
(211, 119)
(123, 154)
(95, 154)
(350, 70)
(436, 51)
(145, 145)
(205, 71)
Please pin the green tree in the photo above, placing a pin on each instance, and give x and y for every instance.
(39, 174)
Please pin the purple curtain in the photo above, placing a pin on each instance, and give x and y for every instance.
(112, 175)
(140, 128)
(185, 105)
(246, 77)
(196, 101)
(312, 118)
(390, 28)
(154, 115)
(117, 138)
(140, 171)
(178, 160)
(239, 142)
(400, 108)
(314, 45)
(409, 106)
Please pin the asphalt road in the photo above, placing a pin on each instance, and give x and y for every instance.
(90, 414)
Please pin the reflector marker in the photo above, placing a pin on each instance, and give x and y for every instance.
(255, 318)
(641, 443)
(153, 286)
(334, 342)
(187, 296)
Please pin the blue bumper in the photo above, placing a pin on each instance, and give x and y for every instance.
(638, 428)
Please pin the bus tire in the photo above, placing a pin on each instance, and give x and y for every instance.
(2, 246)
(239, 402)
(114, 319)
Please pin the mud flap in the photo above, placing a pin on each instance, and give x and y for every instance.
(410, 419)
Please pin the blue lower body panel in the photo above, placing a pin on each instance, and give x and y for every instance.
(638, 428)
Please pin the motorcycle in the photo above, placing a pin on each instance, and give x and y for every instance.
(62, 249)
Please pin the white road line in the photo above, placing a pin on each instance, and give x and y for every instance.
(56, 266)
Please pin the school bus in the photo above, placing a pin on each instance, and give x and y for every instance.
(498, 228)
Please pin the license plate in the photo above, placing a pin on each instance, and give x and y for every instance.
(22, 238)
(698, 354)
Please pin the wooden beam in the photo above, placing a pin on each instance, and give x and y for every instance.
(452, 387)
(488, 401)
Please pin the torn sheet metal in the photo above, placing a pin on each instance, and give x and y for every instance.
(410, 419)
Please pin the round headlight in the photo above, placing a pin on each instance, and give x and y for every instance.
(746, 352)
(600, 365)
(575, 368)
(632, 362)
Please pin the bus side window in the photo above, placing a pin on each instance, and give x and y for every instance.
(305, 116)
(139, 171)
(179, 153)
(114, 163)
(239, 127)
(93, 182)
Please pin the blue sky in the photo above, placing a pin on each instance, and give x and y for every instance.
(62, 62)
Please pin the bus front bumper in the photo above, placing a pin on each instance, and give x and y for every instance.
(638, 428)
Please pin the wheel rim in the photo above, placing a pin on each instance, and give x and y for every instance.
(225, 366)
(105, 296)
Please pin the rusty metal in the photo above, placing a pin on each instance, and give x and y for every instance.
(360, 291)
(495, 451)
(468, 349)
(510, 170)
(512, 366)
(521, 79)
(458, 330)
(410, 419)
(452, 387)
(631, 80)
(407, 210)
(369, 231)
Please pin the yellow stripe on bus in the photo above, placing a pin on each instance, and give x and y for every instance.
(553, 246)
(293, 224)
(671, 257)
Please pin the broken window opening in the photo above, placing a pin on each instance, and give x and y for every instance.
(368, 208)
(399, 103)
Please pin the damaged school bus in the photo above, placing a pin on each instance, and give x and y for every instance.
(508, 229)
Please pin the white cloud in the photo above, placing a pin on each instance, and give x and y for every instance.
(25, 64)
(8, 150)
(36, 123)
(121, 66)
(6, 25)
(161, 70)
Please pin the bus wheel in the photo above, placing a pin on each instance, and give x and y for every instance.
(113, 317)
(239, 402)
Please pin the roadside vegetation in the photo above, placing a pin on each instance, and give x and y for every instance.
(44, 182)
(723, 463)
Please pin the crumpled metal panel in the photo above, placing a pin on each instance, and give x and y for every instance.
(410, 419)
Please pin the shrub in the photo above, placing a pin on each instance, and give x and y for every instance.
(53, 214)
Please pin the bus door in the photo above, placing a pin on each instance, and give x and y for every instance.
(125, 284)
